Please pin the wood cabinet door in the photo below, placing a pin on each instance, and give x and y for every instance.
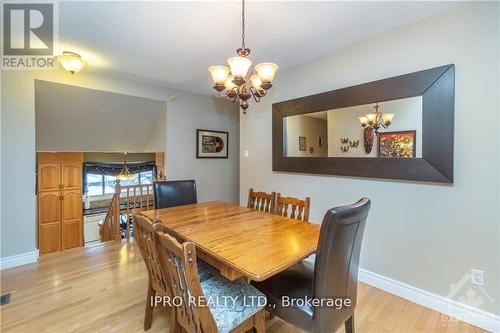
(72, 219)
(49, 177)
(72, 176)
(49, 222)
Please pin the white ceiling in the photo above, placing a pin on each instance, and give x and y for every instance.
(172, 43)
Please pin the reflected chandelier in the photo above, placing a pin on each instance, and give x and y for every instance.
(376, 119)
(238, 81)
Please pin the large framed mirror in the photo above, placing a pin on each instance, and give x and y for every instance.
(396, 128)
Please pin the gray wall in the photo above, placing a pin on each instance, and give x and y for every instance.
(424, 235)
(215, 178)
(185, 112)
(69, 118)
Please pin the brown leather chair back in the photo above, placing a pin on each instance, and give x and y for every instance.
(337, 262)
(171, 193)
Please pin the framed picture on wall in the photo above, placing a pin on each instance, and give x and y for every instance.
(400, 144)
(302, 143)
(211, 144)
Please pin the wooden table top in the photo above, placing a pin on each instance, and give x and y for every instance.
(256, 244)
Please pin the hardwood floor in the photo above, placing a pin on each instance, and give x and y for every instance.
(102, 288)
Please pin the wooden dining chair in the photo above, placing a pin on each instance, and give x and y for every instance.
(239, 314)
(292, 207)
(333, 276)
(157, 282)
(261, 201)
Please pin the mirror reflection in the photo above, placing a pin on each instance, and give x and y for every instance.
(391, 129)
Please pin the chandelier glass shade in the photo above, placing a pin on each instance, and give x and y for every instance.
(377, 119)
(125, 173)
(241, 80)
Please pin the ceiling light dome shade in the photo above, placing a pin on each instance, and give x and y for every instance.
(266, 71)
(239, 66)
(71, 62)
(219, 73)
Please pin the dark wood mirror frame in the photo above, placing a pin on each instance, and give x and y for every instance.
(437, 88)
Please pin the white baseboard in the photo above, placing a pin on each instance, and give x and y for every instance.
(18, 260)
(474, 316)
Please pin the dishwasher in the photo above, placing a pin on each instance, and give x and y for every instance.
(91, 227)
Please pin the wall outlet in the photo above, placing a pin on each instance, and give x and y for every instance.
(245, 153)
(477, 277)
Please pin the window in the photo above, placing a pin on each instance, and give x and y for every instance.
(94, 184)
(98, 184)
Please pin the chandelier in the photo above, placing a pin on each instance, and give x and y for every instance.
(238, 81)
(377, 119)
(125, 173)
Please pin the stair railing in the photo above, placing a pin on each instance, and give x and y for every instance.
(127, 200)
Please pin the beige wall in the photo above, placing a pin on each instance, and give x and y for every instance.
(216, 179)
(310, 128)
(422, 234)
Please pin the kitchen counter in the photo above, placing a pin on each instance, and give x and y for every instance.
(97, 210)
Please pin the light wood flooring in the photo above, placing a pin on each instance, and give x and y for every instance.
(102, 288)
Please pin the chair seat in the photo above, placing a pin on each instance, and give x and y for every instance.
(231, 303)
(295, 282)
(205, 271)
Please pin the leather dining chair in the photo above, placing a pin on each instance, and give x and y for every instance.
(171, 193)
(333, 276)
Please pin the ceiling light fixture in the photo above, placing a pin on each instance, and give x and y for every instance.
(234, 81)
(125, 173)
(377, 119)
(71, 61)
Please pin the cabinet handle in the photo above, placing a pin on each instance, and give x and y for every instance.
(61, 197)
(61, 186)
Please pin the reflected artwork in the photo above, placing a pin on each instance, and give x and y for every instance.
(399, 144)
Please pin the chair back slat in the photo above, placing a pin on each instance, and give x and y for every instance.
(293, 207)
(178, 263)
(143, 235)
(261, 201)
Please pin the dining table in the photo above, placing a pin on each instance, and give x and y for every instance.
(239, 241)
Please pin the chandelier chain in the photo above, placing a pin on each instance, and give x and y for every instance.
(243, 23)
